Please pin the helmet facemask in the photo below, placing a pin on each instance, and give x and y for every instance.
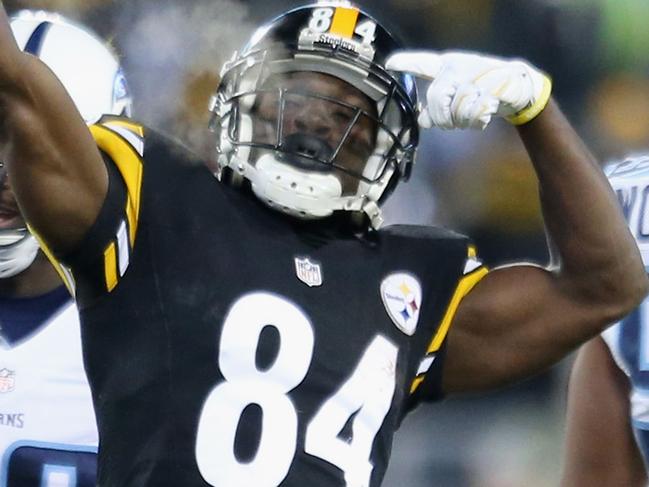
(314, 130)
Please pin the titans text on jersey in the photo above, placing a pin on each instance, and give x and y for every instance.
(48, 435)
(242, 346)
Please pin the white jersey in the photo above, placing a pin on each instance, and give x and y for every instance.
(628, 340)
(48, 432)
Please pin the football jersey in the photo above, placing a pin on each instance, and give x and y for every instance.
(48, 433)
(230, 345)
(628, 340)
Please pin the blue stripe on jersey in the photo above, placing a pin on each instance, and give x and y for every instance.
(35, 41)
(20, 317)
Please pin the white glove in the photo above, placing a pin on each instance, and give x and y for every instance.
(467, 89)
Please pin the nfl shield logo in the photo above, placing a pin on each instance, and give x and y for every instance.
(7, 380)
(308, 272)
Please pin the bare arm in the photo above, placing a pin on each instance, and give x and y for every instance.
(521, 319)
(55, 168)
(600, 447)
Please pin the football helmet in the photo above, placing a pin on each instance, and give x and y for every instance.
(310, 117)
(91, 73)
(83, 62)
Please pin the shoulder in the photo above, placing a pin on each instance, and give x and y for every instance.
(422, 232)
(442, 254)
(122, 138)
(429, 238)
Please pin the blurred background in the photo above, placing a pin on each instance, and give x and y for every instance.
(480, 183)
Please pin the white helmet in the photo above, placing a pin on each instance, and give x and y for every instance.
(91, 73)
(299, 173)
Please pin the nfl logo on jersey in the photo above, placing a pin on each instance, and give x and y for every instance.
(308, 272)
(7, 381)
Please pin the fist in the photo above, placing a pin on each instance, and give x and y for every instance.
(466, 90)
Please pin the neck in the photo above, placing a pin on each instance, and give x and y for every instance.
(38, 279)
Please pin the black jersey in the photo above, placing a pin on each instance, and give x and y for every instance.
(226, 346)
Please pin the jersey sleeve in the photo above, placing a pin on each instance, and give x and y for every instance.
(427, 384)
(104, 255)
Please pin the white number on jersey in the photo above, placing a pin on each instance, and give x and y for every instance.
(368, 392)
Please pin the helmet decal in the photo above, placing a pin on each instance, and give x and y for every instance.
(343, 27)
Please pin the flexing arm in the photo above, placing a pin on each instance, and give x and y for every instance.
(600, 447)
(521, 319)
(55, 168)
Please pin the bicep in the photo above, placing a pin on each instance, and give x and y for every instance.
(516, 322)
(55, 167)
(600, 447)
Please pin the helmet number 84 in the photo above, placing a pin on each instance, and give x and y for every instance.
(367, 393)
(322, 20)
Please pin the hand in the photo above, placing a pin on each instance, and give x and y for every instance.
(467, 89)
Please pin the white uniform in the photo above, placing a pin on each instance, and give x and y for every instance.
(47, 424)
(628, 340)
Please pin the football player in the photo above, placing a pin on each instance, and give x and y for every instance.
(48, 433)
(261, 329)
(608, 400)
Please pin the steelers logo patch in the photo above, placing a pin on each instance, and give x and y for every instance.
(401, 296)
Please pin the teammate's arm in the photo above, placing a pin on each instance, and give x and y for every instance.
(521, 319)
(55, 168)
(600, 447)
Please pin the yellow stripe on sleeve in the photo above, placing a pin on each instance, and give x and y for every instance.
(465, 285)
(463, 288)
(416, 383)
(129, 164)
(473, 253)
(344, 22)
(63, 272)
(110, 266)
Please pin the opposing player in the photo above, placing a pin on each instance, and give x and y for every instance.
(608, 402)
(48, 433)
(262, 329)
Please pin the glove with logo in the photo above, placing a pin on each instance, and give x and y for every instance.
(467, 89)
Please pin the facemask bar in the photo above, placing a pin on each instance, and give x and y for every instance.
(239, 82)
(242, 81)
(392, 147)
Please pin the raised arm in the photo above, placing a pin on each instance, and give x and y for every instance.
(521, 319)
(600, 447)
(55, 168)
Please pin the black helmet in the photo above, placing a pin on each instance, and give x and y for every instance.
(295, 173)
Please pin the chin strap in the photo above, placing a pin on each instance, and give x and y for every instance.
(373, 212)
